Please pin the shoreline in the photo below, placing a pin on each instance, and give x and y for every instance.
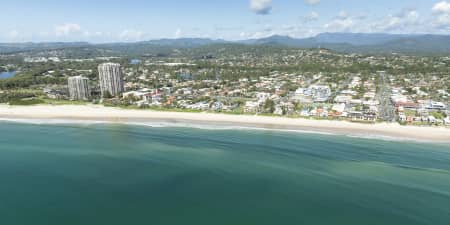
(97, 113)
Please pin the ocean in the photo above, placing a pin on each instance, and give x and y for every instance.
(110, 174)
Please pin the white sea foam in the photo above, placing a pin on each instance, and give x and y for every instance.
(243, 128)
(221, 127)
(206, 126)
(156, 124)
(51, 121)
(387, 138)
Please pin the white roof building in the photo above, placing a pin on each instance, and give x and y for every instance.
(339, 107)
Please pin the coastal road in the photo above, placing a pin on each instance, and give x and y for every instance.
(386, 109)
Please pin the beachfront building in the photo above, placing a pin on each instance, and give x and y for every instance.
(436, 106)
(251, 107)
(111, 81)
(320, 93)
(79, 88)
(314, 93)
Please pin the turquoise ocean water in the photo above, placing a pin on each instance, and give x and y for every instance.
(131, 175)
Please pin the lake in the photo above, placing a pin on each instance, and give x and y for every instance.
(4, 75)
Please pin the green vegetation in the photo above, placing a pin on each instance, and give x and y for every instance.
(269, 106)
(410, 113)
(26, 102)
(62, 102)
(226, 76)
(16, 96)
(439, 115)
(32, 97)
(28, 80)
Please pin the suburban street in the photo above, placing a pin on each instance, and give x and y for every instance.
(387, 109)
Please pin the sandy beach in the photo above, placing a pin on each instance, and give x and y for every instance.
(116, 115)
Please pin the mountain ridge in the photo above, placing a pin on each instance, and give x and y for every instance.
(341, 42)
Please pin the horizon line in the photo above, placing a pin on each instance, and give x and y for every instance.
(221, 39)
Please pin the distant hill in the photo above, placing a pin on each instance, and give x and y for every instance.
(437, 44)
(29, 46)
(365, 43)
(375, 43)
(184, 42)
(358, 39)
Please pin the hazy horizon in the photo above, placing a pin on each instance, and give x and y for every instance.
(137, 20)
(218, 39)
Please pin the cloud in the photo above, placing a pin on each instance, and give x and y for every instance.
(343, 15)
(131, 35)
(405, 21)
(342, 23)
(292, 30)
(310, 17)
(339, 25)
(67, 29)
(14, 34)
(255, 35)
(226, 28)
(262, 7)
(442, 22)
(178, 33)
(312, 2)
(441, 7)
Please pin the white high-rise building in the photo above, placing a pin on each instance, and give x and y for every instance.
(111, 81)
(79, 88)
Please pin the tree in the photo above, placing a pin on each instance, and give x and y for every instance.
(269, 106)
(107, 95)
(298, 106)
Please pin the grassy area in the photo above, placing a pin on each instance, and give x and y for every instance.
(26, 102)
(363, 121)
(439, 115)
(410, 113)
(62, 102)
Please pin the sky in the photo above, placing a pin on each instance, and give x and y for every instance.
(100, 21)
